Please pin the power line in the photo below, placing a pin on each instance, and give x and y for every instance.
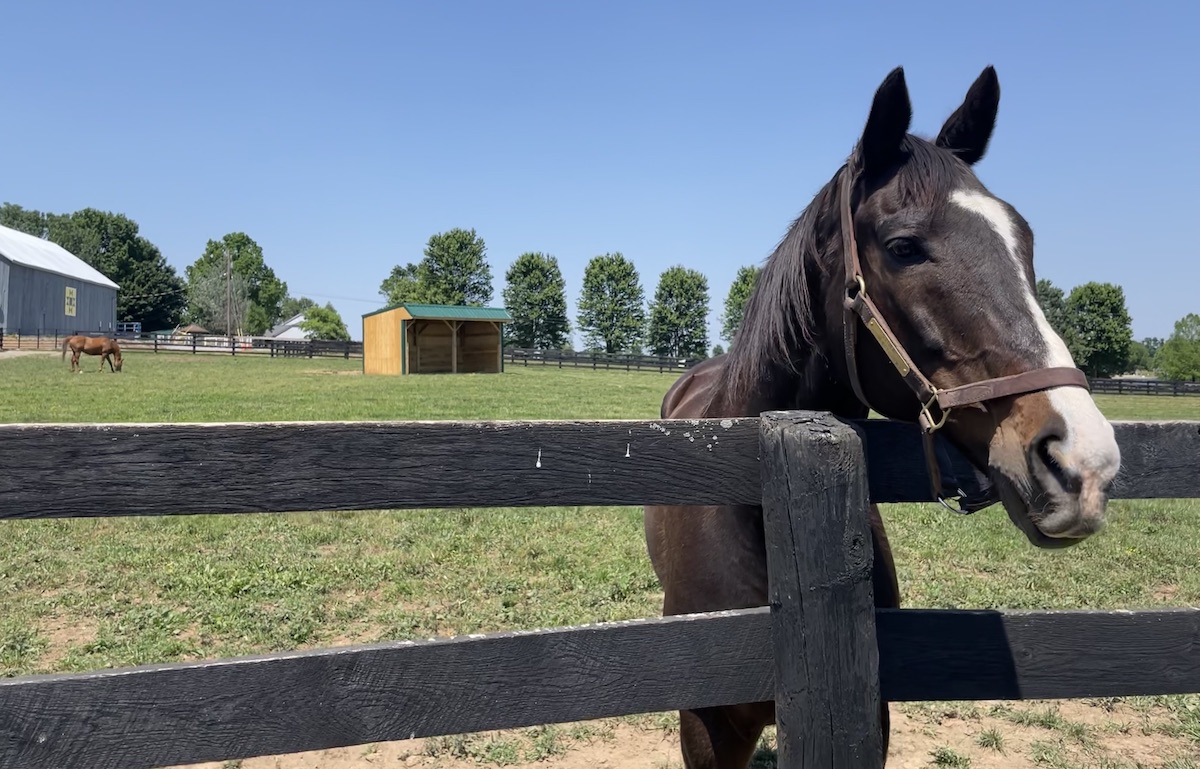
(152, 296)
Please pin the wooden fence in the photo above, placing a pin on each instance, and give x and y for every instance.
(195, 344)
(1144, 387)
(820, 650)
(596, 360)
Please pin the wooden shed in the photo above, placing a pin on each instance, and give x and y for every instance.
(433, 339)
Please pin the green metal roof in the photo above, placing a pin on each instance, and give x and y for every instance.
(450, 312)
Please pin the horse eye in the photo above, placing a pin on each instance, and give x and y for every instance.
(905, 250)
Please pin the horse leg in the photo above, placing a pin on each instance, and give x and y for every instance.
(709, 559)
(722, 738)
(887, 596)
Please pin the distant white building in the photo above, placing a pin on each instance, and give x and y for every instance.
(288, 329)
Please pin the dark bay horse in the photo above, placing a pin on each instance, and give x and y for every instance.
(908, 288)
(106, 348)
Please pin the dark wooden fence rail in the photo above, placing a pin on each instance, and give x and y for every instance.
(196, 344)
(516, 356)
(827, 676)
(1144, 387)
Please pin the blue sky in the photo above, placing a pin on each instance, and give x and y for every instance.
(341, 136)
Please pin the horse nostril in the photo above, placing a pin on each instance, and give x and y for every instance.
(1044, 451)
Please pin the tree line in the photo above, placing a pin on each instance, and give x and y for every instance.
(613, 315)
(246, 299)
(1095, 324)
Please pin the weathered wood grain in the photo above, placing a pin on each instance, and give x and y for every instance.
(188, 713)
(164, 469)
(990, 655)
(1159, 460)
(283, 467)
(226, 709)
(819, 556)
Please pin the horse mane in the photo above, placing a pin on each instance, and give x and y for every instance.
(777, 346)
(774, 344)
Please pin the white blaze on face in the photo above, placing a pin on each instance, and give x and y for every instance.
(1089, 447)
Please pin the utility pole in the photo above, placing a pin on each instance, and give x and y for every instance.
(228, 292)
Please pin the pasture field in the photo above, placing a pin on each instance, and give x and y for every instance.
(85, 594)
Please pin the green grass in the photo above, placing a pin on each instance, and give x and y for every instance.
(213, 388)
(92, 593)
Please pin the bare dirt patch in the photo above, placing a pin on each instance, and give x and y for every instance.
(1066, 735)
(62, 634)
(332, 372)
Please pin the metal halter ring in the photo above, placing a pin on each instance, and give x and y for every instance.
(862, 287)
(927, 417)
(952, 508)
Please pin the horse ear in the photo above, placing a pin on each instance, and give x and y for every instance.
(887, 125)
(967, 131)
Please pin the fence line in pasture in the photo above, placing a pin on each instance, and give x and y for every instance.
(814, 480)
(1122, 386)
(195, 344)
(514, 356)
(596, 360)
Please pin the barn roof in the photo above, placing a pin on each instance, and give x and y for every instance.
(40, 254)
(449, 312)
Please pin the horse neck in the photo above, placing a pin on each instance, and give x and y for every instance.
(811, 388)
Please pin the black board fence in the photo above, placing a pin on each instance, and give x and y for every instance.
(827, 675)
(595, 360)
(1123, 386)
(196, 344)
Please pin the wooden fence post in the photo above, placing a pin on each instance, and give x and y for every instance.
(819, 556)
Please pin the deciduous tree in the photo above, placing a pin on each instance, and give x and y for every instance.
(404, 285)
(1054, 305)
(218, 306)
(535, 296)
(293, 306)
(324, 323)
(679, 314)
(1179, 358)
(25, 220)
(266, 292)
(1100, 328)
(612, 315)
(735, 300)
(455, 270)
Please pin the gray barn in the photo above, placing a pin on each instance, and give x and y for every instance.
(44, 287)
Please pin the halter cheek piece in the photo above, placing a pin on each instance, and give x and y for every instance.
(857, 302)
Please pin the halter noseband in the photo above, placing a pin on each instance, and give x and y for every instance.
(858, 303)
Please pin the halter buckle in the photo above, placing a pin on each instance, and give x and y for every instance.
(928, 423)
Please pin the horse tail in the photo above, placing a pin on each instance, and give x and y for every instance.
(66, 342)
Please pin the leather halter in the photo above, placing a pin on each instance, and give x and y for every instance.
(858, 303)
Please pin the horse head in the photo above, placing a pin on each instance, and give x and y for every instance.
(910, 287)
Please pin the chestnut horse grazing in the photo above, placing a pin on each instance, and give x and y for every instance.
(106, 348)
(908, 288)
